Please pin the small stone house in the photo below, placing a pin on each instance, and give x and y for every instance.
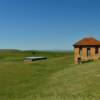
(86, 49)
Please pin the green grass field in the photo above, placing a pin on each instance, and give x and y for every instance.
(54, 79)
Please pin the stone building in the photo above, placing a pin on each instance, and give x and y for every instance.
(86, 49)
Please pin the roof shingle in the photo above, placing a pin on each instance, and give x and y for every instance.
(87, 41)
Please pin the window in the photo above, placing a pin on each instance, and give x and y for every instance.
(80, 51)
(88, 51)
(96, 50)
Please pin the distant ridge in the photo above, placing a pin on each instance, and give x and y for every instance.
(2, 50)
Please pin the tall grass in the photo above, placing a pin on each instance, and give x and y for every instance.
(56, 78)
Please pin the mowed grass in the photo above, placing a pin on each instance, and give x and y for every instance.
(54, 79)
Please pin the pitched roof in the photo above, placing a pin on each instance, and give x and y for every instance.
(87, 41)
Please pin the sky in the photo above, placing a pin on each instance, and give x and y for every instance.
(47, 24)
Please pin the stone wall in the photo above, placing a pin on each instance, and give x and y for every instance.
(84, 56)
(84, 53)
(76, 55)
(92, 52)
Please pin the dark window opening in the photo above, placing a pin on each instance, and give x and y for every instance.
(88, 51)
(96, 50)
(80, 51)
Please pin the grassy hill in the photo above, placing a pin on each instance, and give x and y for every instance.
(54, 79)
